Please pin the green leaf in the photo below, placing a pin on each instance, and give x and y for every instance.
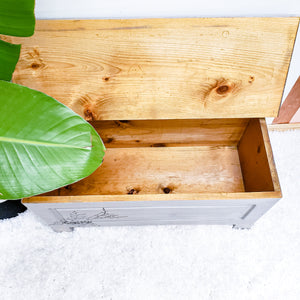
(43, 144)
(17, 17)
(9, 56)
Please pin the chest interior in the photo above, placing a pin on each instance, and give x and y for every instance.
(180, 157)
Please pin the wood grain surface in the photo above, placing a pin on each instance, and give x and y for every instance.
(269, 153)
(284, 127)
(192, 168)
(160, 68)
(169, 133)
(256, 158)
(162, 170)
(290, 106)
(54, 198)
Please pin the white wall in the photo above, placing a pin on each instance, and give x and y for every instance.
(108, 9)
(164, 8)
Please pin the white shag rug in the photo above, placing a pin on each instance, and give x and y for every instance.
(162, 262)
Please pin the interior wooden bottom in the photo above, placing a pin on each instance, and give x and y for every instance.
(163, 170)
(171, 157)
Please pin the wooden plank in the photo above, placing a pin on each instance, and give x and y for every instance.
(47, 198)
(164, 170)
(160, 68)
(256, 158)
(290, 106)
(283, 127)
(269, 152)
(169, 133)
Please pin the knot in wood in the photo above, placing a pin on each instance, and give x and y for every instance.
(88, 115)
(35, 65)
(167, 190)
(222, 89)
(133, 191)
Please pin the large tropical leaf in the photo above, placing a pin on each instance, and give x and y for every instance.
(17, 17)
(43, 144)
(9, 55)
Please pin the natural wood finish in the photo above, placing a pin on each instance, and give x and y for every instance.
(160, 68)
(283, 127)
(168, 133)
(154, 197)
(256, 159)
(197, 169)
(290, 106)
(269, 153)
(168, 164)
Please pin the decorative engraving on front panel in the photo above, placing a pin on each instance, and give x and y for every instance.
(82, 217)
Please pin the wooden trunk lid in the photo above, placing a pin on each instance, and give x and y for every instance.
(160, 68)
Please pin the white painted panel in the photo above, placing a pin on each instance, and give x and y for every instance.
(64, 216)
(102, 215)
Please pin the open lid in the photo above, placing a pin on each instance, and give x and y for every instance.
(160, 68)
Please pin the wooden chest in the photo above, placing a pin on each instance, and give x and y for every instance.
(180, 105)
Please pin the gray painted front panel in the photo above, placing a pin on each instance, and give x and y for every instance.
(241, 212)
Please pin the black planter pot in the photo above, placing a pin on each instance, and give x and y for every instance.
(11, 208)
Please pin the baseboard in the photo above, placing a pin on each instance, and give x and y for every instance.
(282, 127)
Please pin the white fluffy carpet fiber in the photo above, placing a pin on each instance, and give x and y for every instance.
(162, 262)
